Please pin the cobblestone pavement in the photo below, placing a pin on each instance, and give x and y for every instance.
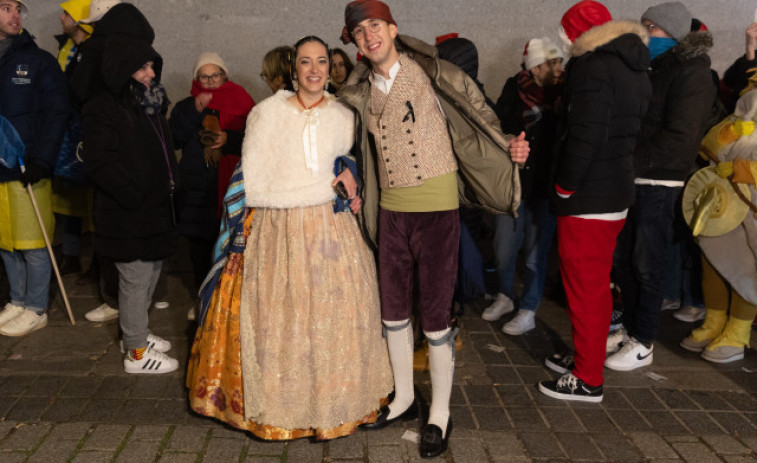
(64, 397)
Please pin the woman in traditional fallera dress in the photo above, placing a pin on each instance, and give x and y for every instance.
(291, 346)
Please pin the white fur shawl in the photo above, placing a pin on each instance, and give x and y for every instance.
(273, 152)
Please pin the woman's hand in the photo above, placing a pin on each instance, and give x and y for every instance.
(202, 101)
(351, 186)
(221, 139)
(355, 205)
(519, 149)
(348, 181)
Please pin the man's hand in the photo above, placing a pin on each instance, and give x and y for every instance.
(32, 174)
(519, 149)
(751, 41)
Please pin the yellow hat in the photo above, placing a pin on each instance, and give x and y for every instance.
(78, 10)
(711, 206)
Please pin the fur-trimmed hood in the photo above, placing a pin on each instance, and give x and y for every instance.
(695, 44)
(602, 35)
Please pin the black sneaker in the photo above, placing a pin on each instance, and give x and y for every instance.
(561, 363)
(568, 387)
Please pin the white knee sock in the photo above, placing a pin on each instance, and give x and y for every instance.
(400, 343)
(441, 359)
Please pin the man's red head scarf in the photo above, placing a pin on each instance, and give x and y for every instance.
(359, 10)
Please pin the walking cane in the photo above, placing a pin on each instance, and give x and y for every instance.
(49, 246)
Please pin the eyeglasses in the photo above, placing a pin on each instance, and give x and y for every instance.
(374, 25)
(214, 76)
(650, 26)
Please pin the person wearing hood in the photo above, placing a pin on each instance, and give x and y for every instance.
(666, 149)
(209, 154)
(33, 98)
(411, 197)
(128, 151)
(606, 95)
(70, 194)
(528, 102)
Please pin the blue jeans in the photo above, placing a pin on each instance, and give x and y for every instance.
(642, 248)
(532, 231)
(683, 279)
(29, 277)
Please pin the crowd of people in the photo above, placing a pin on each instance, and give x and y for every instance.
(329, 211)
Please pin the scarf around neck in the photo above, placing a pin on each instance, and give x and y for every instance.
(153, 100)
(534, 97)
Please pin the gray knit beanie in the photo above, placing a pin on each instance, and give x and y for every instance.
(673, 17)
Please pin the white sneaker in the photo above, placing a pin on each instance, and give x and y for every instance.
(522, 322)
(26, 322)
(616, 339)
(161, 305)
(153, 342)
(10, 312)
(689, 313)
(501, 306)
(102, 313)
(632, 355)
(152, 362)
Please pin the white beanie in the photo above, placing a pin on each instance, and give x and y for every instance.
(540, 51)
(97, 10)
(209, 57)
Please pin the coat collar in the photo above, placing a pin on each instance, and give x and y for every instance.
(604, 34)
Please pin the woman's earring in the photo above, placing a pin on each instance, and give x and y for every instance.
(296, 85)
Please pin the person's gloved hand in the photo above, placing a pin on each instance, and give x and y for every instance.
(33, 174)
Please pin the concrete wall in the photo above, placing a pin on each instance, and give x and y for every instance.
(243, 30)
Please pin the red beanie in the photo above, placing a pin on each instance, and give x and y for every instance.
(583, 16)
(442, 38)
(358, 11)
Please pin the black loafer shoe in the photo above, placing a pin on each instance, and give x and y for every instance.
(432, 444)
(382, 421)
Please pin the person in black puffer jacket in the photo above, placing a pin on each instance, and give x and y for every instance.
(128, 151)
(606, 94)
(683, 94)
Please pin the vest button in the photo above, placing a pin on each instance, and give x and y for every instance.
(387, 159)
(416, 166)
(410, 142)
(383, 127)
(409, 131)
(418, 177)
(391, 183)
(413, 155)
(383, 137)
(384, 147)
(389, 172)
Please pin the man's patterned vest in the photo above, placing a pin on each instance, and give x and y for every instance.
(409, 130)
